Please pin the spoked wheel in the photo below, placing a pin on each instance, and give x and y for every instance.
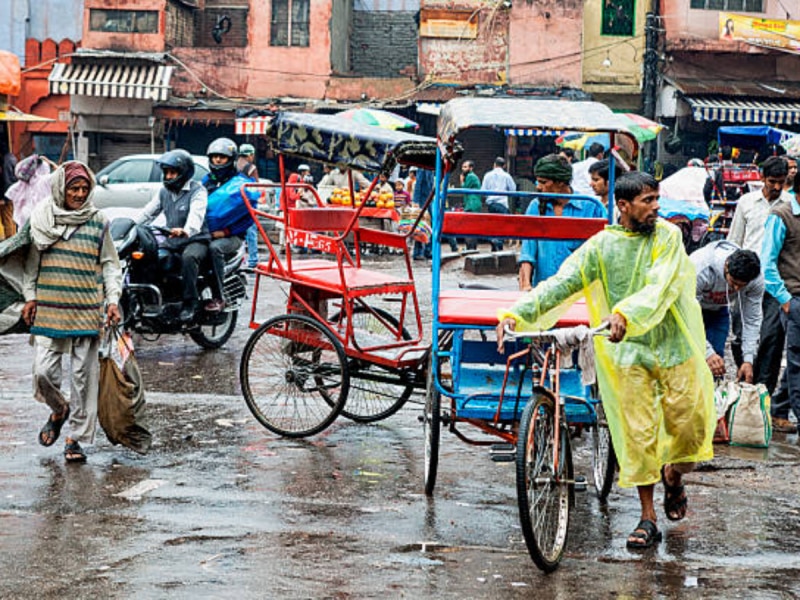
(604, 461)
(544, 492)
(375, 392)
(432, 425)
(294, 376)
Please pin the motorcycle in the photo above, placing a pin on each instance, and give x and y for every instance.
(152, 287)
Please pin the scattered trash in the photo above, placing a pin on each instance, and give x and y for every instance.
(141, 488)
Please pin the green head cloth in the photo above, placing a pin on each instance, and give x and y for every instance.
(554, 168)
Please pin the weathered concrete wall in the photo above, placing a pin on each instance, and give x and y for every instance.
(688, 27)
(40, 20)
(383, 44)
(468, 61)
(142, 42)
(545, 43)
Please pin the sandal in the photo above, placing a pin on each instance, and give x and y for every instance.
(646, 535)
(675, 500)
(73, 453)
(52, 429)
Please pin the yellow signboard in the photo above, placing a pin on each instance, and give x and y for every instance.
(760, 32)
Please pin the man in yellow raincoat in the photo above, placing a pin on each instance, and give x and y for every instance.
(656, 387)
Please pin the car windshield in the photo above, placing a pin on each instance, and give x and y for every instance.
(128, 171)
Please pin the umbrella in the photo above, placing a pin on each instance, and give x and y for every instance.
(578, 140)
(642, 129)
(792, 145)
(377, 118)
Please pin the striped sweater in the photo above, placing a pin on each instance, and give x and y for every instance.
(69, 289)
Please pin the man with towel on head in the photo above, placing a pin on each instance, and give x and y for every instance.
(540, 259)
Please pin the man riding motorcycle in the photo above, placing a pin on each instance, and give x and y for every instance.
(227, 216)
(183, 202)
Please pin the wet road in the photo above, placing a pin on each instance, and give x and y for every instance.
(221, 508)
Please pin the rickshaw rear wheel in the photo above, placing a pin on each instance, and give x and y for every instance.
(375, 393)
(544, 490)
(432, 426)
(604, 461)
(293, 374)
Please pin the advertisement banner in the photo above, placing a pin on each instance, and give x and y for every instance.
(774, 33)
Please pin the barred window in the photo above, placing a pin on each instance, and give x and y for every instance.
(741, 5)
(123, 21)
(618, 17)
(290, 21)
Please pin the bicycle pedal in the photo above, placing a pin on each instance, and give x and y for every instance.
(506, 457)
(580, 483)
(502, 448)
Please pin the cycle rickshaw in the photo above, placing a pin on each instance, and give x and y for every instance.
(334, 350)
(527, 398)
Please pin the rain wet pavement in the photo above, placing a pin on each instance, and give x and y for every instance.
(220, 507)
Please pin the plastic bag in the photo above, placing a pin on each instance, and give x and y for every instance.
(749, 422)
(121, 400)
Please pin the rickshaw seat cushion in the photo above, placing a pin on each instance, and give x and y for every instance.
(321, 219)
(355, 280)
(479, 307)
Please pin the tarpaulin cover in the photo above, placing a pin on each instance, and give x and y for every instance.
(10, 75)
(333, 140)
(657, 389)
(752, 136)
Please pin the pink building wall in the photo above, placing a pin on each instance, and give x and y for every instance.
(141, 42)
(545, 43)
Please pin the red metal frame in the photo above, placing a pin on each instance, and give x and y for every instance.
(315, 281)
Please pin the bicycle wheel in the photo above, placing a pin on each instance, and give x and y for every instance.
(293, 374)
(604, 461)
(375, 392)
(432, 425)
(544, 494)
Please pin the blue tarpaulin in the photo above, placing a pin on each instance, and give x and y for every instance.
(752, 136)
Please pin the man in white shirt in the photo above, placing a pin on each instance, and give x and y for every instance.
(747, 232)
(581, 179)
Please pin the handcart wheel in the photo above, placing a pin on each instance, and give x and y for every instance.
(375, 393)
(604, 461)
(432, 426)
(544, 490)
(293, 374)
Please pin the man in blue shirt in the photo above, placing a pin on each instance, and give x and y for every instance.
(540, 259)
(780, 261)
(498, 180)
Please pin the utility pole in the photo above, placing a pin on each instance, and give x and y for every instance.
(650, 79)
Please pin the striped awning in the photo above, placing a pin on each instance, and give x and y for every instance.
(729, 110)
(252, 125)
(112, 79)
(535, 132)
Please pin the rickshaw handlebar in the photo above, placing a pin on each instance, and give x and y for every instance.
(550, 335)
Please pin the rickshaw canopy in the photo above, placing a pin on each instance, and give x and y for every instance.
(332, 140)
(460, 114)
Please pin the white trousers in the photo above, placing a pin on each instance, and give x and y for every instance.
(84, 381)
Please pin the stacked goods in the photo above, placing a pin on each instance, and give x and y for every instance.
(408, 216)
(375, 200)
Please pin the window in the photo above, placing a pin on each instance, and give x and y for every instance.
(618, 17)
(289, 26)
(130, 171)
(742, 5)
(123, 21)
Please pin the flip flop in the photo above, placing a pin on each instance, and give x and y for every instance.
(647, 533)
(73, 453)
(48, 435)
(675, 500)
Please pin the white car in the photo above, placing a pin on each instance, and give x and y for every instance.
(131, 181)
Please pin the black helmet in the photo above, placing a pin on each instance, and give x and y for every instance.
(181, 161)
(223, 147)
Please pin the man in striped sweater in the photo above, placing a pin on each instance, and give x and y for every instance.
(72, 269)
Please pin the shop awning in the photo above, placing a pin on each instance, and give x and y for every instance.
(534, 132)
(19, 116)
(252, 125)
(744, 110)
(112, 79)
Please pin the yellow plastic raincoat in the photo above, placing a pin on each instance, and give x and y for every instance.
(657, 391)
